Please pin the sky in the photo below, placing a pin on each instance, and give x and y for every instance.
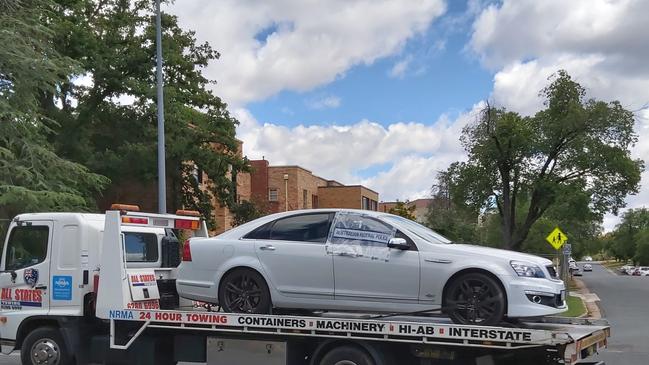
(376, 92)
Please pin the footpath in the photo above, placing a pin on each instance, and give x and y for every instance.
(590, 299)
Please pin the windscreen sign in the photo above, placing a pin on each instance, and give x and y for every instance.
(361, 236)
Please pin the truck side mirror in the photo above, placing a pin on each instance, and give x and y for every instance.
(170, 251)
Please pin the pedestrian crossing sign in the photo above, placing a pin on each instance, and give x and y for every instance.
(556, 238)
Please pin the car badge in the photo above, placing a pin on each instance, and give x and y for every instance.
(31, 277)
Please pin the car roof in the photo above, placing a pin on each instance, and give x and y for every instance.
(244, 228)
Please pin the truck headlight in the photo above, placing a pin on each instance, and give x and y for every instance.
(527, 269)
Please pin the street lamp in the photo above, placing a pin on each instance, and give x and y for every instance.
(162, 183)
(286, 192)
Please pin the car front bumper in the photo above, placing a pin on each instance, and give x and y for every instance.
(532, 297)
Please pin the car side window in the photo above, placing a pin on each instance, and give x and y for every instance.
(27, 247)
(303, 228)
(357, 229)
(260, 233)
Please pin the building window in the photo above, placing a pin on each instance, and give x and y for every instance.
(272, 195)
(365, 203)
(198, 175)
(305, 195)
(314, 201)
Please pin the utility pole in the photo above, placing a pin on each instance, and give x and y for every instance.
(162, 174)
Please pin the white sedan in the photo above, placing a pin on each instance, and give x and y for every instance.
(357, 260)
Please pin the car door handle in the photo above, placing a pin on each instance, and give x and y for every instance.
(267, 248)
(439, 261)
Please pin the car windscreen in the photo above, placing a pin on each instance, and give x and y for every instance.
(416, 229)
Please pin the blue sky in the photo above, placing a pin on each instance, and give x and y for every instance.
(377, 91)
(442, 77)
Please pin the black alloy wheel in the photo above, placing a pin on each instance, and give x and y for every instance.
(475, 299)
(244, 291)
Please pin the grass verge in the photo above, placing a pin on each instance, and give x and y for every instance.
(613, 264)
(576, 307)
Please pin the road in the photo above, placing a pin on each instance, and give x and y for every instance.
(624, 302)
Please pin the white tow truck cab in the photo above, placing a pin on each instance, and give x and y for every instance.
(89, 288)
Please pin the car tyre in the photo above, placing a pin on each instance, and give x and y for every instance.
(244, 291)
(347, 355)
(45, 345)
(475, 299)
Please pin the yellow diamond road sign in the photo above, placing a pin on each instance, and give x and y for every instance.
(556, 238)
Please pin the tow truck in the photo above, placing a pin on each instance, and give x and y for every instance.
(100, 289)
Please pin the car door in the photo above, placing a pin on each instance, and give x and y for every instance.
(365, 268)
(293, 255)
(25, 272)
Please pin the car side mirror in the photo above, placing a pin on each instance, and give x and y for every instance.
(398, 243)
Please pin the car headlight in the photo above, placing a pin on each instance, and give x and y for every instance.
(527, 269)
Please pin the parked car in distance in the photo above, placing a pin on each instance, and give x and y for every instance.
(358, 260)
(577, 272)
(625, 269)
(588, 267)
(587, 258)
(631, 270)
(641, 271)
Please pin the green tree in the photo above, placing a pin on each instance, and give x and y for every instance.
(531, 163)
(629, 233)
(447, 217)
(108, 110)
(642, 251)
(32, 176)
(404, 209)
(248, 210)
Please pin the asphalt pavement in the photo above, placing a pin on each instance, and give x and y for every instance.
(625, 304)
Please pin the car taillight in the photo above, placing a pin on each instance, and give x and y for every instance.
(187, 252)
(135, 220)
(186, 224)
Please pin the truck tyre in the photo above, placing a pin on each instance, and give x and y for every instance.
(475, 299)
(244, 291)
(45, 346)
(347, 355)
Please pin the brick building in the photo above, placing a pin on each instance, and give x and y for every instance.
(294, 187)
(421, 207)
(277, 188)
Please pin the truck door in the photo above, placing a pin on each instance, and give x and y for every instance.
(25, 273)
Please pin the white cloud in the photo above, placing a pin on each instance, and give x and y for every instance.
(267, 47)
(415, 151)
(399, 69)
(327, 102)
(599, 42)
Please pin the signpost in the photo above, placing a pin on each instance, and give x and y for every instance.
(558, 239)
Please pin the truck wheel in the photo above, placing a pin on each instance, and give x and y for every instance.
(244, 291)
(45, 346)
(347, 355)
(475, 298)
